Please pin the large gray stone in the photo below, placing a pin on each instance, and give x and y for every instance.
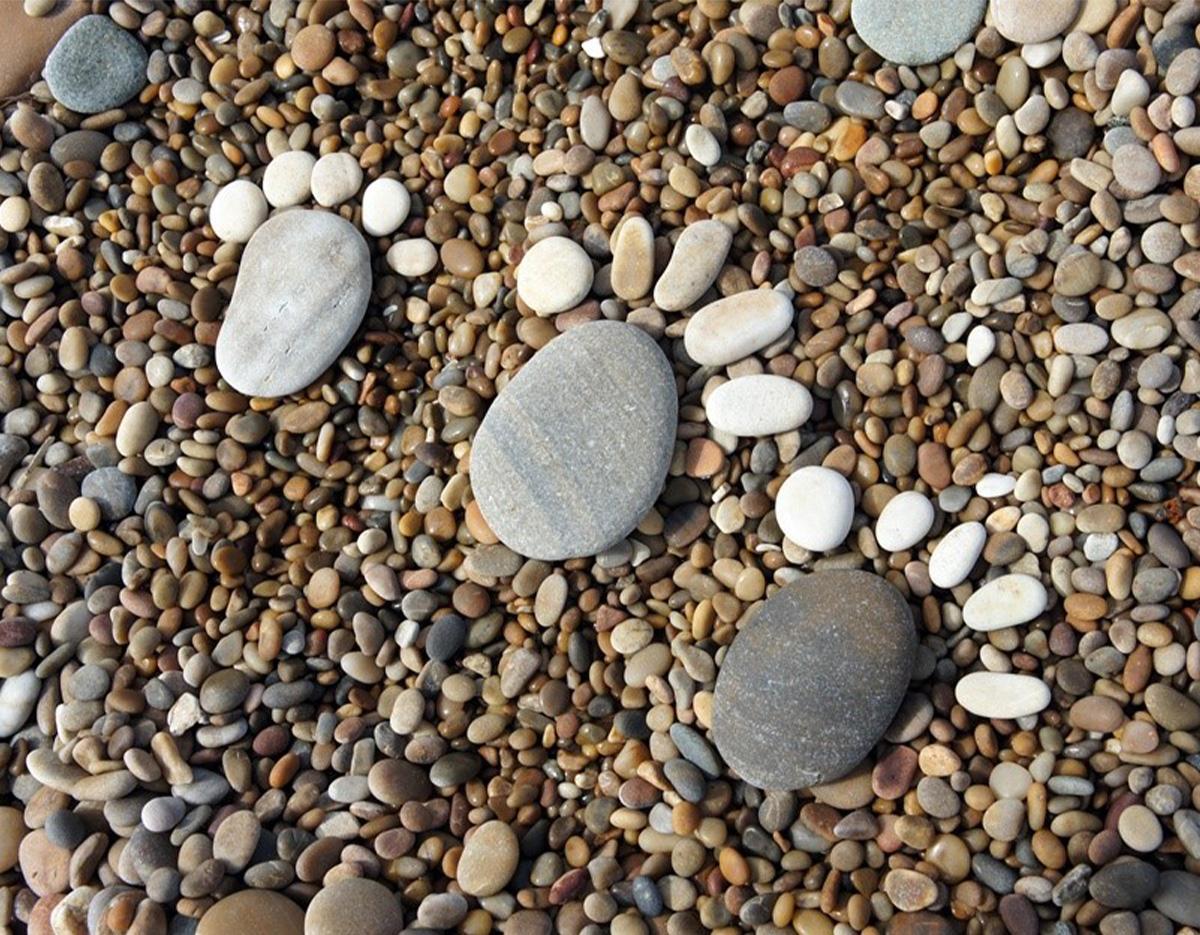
(916, 32)
(811, 683)
(574, 450)
(96, 66)
(1178, 897)
(302, 289)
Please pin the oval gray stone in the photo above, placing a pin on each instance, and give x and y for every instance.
(811, 683)
(96, 66)
(916, 32)
(302, 290)
(574, 450)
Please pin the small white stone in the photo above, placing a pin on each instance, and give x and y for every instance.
(385, 205)
(760, 404)
(554, 275)
(702, 145)
(980, 344)
(18, 696)
(736, 326)
(995, 485)
(238, 211)
(335, 178)
(1131, 91)
(414, 257)
(956, 554)
(1005, 602)
(815, 507)
(288, 179)
(1002, 694)
(904, 522)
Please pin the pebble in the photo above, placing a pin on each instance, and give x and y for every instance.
(632, 274)
(12, 830)
(815, 266)
(287, 180)
(916, 32)
(258, 911)
(412, 258)
(1007, 601)
(18, 696)
(1001, 694)
(239, 209)
(385, 206)
(956, 554)
(573, 452)
(489, 859)
(96, 66)
(812, 681)
(1140, 830)
(554, 275)
(737, 326)
(904, 521)
(1178, 897)
(1030, 21)
(301, 292)
(757, 405)
(113, 491)
(696, 259)
(815, 508)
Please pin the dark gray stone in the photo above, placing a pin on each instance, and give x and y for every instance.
(1124, 884)
(113, 491)
(574, 450)
(812, 682)
(916, 32)
(96, 66)
(1178, 897)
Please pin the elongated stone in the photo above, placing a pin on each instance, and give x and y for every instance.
(698, 256)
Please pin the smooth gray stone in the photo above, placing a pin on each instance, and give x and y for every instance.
(96, 66)
(1178, 897)
(811, 683)
(574, 450)
(916, 32)
(302, 290)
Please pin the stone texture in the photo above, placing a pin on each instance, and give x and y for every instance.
(365, 906)
(573, 451)
(915, 32)
(96, 66)
(260, 911)
(813, 680)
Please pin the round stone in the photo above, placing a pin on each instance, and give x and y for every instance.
(336, 177)
(916, 32)
(301, 292)
(355, 904)
(736, 326)
(815, 507)
(1001, 694)
(759, 404)
(96, 66)
(413, 257)
(573, 451)
(811, 683)
(287, 180)
(489, 859)
(554, 275)
(113, 491)
(238, 211)
(1006, 601)
(816, 266)
(385, 206)
(904, 521)
(1030, 21)
(260, 911)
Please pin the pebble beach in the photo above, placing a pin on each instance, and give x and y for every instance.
(599, 466)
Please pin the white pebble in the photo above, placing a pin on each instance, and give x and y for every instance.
(980, 344)
(736, 326)
(335, 178)
(904, 522)
(815, 507)
(414, 257)
(288, 179)
(238, 211)
(1002, 694)
(995, 485)
(956, 554)
(385, 205)
(14, 214)
(760, 404)
(1005, 602)
(702, 145)
(554, 275)
(18, 695)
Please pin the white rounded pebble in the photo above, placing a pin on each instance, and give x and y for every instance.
(385, 205)
(904, 522)
(1005, 602)
(1001, 694)
(288, 179)
(414, 257)
(995, 485)
(702, 145)
(18, 695)
(980, 344)
(554, 275)
(760, 404)
(335, 178)
(956, 554)
(736, 326)
(238, 211)
(815, 507)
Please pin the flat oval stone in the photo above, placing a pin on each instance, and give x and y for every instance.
(554, 275)
(698, 256)
(632, 272)
(301, 293)
(573, 451)
(956, 554)
(96, 66)
(1001, 694)
(811, 683)
(736, 326)
(904, 521)
(916, 32)
(1005, 602)
(759, 404)
(261, 911)
(815, 507)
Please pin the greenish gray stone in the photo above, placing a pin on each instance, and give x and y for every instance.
(96, 66)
